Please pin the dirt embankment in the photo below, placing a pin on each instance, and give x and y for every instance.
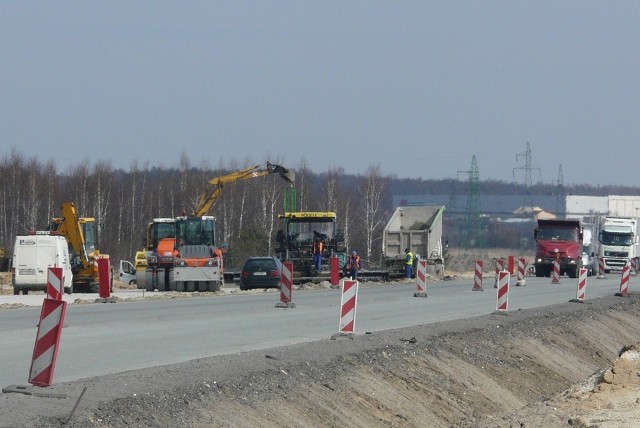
(544, 367)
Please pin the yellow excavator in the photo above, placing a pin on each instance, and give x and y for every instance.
(81, 237)
(190, 259)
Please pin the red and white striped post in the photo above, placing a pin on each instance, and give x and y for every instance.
(601, 268)
(499, 268)
(348, 306)
(45, 350)
(421, 279)
(555, 276)
(55, 283)
(286, 286)
(624, 281)
(477, 277)
(582, 286)
(521, 281)
(503, 291)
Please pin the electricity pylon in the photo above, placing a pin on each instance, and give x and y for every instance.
(473, 235)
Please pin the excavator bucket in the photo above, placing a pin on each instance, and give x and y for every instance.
(287, 175)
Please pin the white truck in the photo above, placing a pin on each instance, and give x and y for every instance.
(619, 241)
(33, 255)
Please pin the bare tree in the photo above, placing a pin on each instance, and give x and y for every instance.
(371, 192)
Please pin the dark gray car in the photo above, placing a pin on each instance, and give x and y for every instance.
(261, 272)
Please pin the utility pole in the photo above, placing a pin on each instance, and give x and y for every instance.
(473, 235)
(561, 197)
(527, 168)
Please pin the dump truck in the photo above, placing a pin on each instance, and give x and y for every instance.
(418, 228)
(558, 239)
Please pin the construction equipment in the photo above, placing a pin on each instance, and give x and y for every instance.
(296, 238)
(81, 237)
(207, 199)
(182, 253)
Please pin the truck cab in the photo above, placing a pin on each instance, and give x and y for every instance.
(558, 240)
(618, 242)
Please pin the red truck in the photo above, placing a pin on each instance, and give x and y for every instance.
(558, 239)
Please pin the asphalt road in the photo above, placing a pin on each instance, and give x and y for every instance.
(99, 339)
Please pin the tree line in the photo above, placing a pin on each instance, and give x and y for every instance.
(123, 202)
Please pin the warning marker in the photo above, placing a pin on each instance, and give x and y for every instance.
(55, 283)
(582, 287)
(477, 277)
(520, 281)
(348, 306)
(555, 277)
(624, 282)
(421, 279)
(45, 350)
(286, 286)
(601, 268)
(503, 291)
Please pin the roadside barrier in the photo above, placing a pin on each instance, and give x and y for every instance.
(348, 306)
(624, 281)
(503, 291)
(45, 350)
(335, 272)
(601, 268)
(421, 279)
(477, 277)
(555, 277)
(521, 281)
(286, 286)
(582, 286)
(511, 263)
(55, 283)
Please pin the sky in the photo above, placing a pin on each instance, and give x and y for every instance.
(415, 87)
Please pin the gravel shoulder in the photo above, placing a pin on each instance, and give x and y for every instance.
(556, 366)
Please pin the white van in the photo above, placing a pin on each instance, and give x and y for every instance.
(33, 255)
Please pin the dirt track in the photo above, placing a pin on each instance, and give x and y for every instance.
(489, 371)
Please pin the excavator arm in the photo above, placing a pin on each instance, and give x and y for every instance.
(69, 225)
(207, 199)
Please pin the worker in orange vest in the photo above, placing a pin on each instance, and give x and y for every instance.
(353, 265)
(317, 249)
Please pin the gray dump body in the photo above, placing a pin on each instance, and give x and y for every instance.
(417, 228)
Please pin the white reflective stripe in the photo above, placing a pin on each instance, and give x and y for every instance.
(50, 322)
(41, 363)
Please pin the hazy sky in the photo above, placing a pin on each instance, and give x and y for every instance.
(417, 87)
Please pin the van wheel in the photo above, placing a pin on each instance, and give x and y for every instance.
(16, 291)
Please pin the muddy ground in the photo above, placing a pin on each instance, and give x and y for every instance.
(557, 366)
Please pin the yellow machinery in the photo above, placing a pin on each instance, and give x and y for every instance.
(207, 199)
(81, 237)
(189, 258)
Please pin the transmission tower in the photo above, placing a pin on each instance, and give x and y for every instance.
(527, 168)
(473, 235)
(561, 197)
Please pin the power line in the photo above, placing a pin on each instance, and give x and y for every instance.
(472, 229)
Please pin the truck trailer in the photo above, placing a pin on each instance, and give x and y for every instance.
(418, 228)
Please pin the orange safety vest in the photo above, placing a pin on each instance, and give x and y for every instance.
(352, 262)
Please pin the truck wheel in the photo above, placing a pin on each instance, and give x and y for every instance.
(16, 291)
(68, 290)
(540, 271)
(572, 272)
